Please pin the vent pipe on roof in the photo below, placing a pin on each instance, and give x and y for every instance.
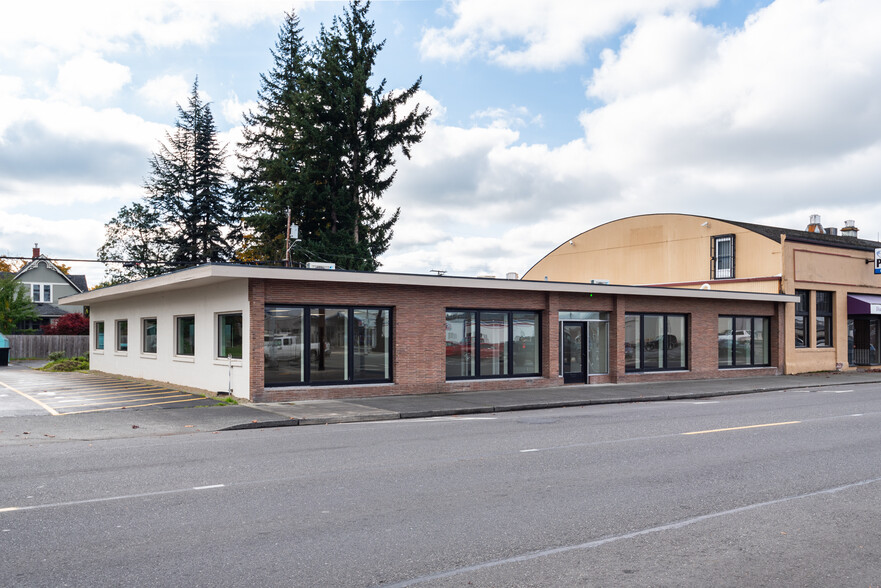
(815, 226)
(849, 229)
(831, 231)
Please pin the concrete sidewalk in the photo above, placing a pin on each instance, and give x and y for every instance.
(310, 412)
(137, 423)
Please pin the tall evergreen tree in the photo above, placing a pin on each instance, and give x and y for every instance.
(186, 217)
(330, 154)
(270, 154)
(187, 186)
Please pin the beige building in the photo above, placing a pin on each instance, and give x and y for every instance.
(836, 324)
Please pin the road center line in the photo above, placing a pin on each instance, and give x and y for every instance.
(741, 428)
(109, 498)
(606, 540)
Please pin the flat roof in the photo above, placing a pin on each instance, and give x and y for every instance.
(212, 274)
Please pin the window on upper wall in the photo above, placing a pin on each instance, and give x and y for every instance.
(41, 292)
(492, 344)
(824, 319)
(744, 341)
(802, 318)
(654, 342)
(723, 257)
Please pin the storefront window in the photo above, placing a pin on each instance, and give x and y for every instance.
(655, 342)
(326, 345)
(488, 344)
(744, 341)
(802, 316)
(824, 319)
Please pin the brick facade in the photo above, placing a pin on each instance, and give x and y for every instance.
(418, 346)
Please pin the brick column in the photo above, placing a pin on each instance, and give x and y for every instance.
(256, 304)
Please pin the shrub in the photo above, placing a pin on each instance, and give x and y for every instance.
(56, 355)
(73, 323)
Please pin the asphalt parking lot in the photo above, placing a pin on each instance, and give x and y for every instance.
(24, 391)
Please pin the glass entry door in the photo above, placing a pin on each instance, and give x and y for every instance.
(574, 352)
(863, 338)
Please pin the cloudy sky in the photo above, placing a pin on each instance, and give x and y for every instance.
(549, 117)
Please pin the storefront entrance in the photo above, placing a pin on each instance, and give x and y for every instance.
(574, 352)
(864, 347)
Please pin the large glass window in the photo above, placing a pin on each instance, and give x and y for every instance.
(148, 335)
(99, 335)
(655, 342)
(185, 335)
(723, 257)
(372, 359)
(598, 347)
(326, 345)
(487, 344)
(744, 341)
(229, 335)
(824, 319)
(525, 353)
(122, 335)
(802, 316)
(283, 339)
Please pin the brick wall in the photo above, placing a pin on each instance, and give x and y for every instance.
(418, 347)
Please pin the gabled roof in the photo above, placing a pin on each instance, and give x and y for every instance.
(46, 310)
(78, 281)
(775, 233)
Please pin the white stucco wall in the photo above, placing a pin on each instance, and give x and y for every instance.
(202, 370)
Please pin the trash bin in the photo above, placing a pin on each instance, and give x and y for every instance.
(4, 351)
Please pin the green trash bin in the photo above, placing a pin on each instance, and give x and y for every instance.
(4, 351)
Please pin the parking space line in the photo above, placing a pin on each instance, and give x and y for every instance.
(123, 401)
(129, 406)
(36, 401)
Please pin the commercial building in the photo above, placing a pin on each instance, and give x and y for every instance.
(835, 323)
(273, 334)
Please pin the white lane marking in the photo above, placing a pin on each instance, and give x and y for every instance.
(606, 540)
(108, 498)
(45, 393)
(528, 450)
(856, 414)
(837, 391)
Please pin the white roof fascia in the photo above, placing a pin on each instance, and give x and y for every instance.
(209, 274)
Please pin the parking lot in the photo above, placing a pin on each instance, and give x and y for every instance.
(24, 391)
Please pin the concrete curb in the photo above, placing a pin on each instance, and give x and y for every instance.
(531, 405)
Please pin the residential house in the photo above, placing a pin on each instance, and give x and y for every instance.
(46, 284)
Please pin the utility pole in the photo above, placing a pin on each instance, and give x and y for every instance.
(287, 242)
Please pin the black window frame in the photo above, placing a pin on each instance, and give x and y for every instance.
(803, 314)
(350, 345)
(825, 310)
(715, 259)
(752, 341)
(665, 344)
(510, 343)
(218, 324)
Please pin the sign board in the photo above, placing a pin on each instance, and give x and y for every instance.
(878, 261)
(875, 308)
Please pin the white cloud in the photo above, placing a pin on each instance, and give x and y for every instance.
(90, 77)
(525, 34)
(165, 91)
(234, 109)
(61, 27)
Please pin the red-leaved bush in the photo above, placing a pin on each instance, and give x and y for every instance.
(69, 324)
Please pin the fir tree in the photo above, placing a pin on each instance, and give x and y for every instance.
(322, 144)
(186, 217)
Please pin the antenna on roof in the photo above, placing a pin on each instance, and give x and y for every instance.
(438, 272)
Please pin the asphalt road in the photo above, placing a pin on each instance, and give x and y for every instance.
(778, 488)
